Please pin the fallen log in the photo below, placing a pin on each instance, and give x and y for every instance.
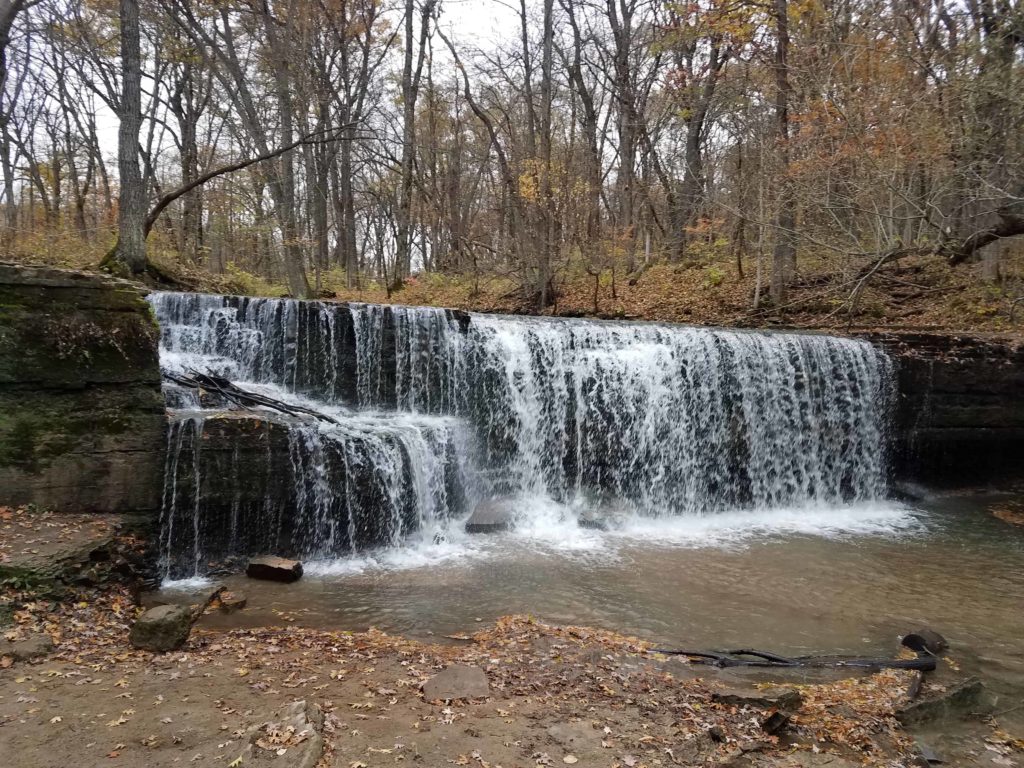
(925, 662)
(242, 397)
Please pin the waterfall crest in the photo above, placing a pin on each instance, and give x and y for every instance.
(438, 409)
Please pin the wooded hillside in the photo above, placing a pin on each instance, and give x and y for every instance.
(818, 161)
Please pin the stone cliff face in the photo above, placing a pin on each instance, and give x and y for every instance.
(82, 425)
(959, 416)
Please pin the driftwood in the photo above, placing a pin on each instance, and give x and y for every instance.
(241, 397)
(744, 657)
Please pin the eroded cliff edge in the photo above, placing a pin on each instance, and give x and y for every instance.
(82, 421)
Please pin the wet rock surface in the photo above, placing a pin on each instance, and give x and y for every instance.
(271, 568)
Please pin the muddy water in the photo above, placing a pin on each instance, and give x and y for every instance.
(946, 564)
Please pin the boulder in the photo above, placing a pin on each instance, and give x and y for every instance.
(272, 568)
(458, 681)
(491, 516)
(31, 647)
(925, 641)
(760, 698)
(952, 701)
(164, 628)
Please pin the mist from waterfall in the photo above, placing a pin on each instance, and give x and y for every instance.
(437, 409)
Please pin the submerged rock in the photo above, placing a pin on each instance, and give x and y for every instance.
(164, 628)
(272, 568)
(459, 681)
(491, 516)
(232, 601)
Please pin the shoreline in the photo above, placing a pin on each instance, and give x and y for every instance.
(555, 693)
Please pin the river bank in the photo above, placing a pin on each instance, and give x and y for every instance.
(557, 695)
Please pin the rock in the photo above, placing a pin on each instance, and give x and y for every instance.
(232, 601)
(929, 755)
(955, 700)
(925, 641)
(164, 628)
(83, 416)
(31, 647)
(491, 516)
(272, 568)
(298, 732)
(1011, 512)
(774, 723)
(198, 600)
(591, 521)
(694, 750)
(458, 681)
(760, 698)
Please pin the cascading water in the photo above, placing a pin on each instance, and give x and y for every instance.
(438, 409)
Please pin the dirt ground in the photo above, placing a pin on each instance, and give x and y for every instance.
(558, 696)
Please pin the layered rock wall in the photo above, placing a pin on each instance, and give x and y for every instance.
(82, 426)
(959, 415)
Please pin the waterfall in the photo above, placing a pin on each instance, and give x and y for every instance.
(437, 409)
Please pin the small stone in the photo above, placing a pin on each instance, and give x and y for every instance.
(273, 568)
(31, 647)
(458, 681)
(774, 723)
(930, 756)
(570, 759)
(164, 628)
(761, 698)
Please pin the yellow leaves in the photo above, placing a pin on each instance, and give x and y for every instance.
(529, 187)
(236, 762)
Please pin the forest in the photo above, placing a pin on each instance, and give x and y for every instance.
(731, 161)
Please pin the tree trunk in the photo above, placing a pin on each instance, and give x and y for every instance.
(130, 253)
(784, 255)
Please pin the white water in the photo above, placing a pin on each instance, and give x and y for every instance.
(679, 436)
